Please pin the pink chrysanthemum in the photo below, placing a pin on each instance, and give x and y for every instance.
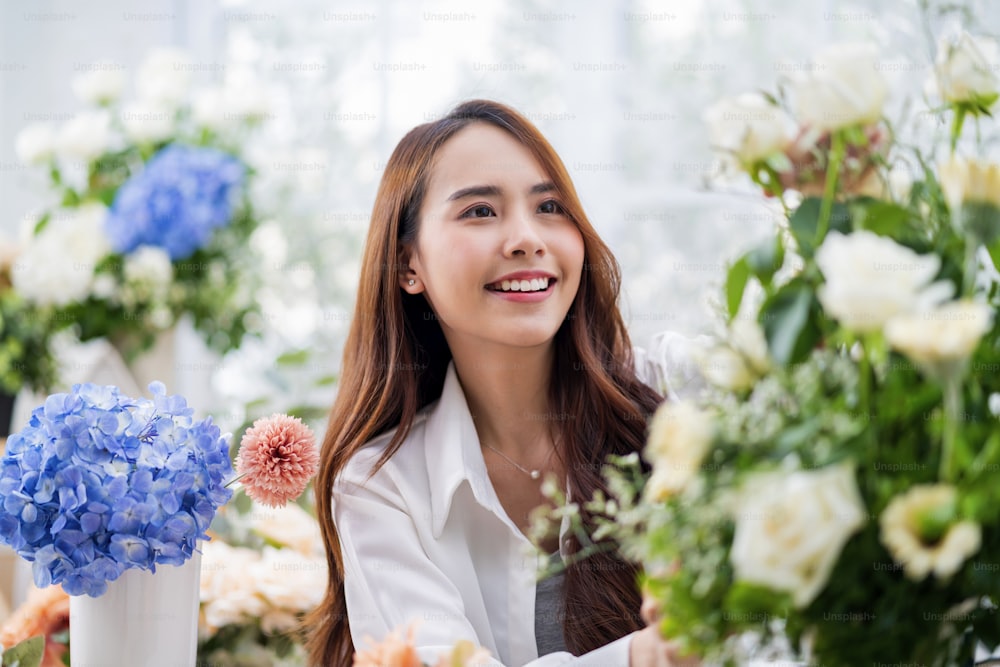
(277, 459)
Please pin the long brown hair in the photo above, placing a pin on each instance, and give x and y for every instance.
(396, 356)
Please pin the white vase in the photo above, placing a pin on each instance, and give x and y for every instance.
(144, 619)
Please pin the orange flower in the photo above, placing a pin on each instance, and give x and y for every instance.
(391, 652)
(44, 612)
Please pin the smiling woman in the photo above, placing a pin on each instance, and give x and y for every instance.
(486, 350)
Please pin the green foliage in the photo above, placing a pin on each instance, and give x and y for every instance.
(26, 654)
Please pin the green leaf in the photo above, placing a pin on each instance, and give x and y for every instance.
(296, 358)
(804, 224)
(736, 284)
(326, 380)
(786, 318)
(883, 218)
(26, 654)
(765, 260)
(981, 221)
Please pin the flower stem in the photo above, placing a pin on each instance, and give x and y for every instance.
(956, 126)
(864, 406)
(233, 481)
(969, 279)
(952, 413)
(832, 174)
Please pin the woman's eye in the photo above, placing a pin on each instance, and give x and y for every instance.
(482, 211)
(550, 206)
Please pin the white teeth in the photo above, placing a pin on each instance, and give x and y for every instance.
(534, 285)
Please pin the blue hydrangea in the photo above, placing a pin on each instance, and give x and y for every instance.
(176, 202)
(98, 483)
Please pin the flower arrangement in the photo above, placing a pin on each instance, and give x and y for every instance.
(831, 497)
(98, 483)
(151, 208)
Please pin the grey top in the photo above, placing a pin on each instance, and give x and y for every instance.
(549, 613)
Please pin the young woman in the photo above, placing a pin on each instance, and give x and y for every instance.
(486, 352)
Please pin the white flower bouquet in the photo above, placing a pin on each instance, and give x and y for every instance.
(149, 207)
(833, 495)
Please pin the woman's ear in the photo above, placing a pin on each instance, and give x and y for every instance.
(408, 278)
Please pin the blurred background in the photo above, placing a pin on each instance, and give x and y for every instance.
(619, 87)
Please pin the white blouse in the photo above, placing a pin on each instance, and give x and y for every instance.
(426, 539)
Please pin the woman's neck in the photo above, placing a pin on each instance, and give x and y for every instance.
(507, 390)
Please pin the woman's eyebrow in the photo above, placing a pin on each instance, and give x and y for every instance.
(494, 191)
(476, 191)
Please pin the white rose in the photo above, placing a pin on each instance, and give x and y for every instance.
(966, 68)
(227, 589)
(748, 128)
(680, 436)
(289, 526)
(57, 266)
(85, 137)
(791, 528)
(970, 180)
(165, 77)
(870, 279)
(290, 581)
(101, 85)
(944, 335)
(726, 368)
(901, 531)
(146, 122)
(844, 89)
(36, 143)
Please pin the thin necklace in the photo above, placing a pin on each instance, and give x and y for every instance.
(533, 474)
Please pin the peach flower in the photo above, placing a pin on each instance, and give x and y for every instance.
(277, 459)
(393, 651)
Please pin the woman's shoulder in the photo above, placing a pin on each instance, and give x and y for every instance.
(407, 460)
(668, 363)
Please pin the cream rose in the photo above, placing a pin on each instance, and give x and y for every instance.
(679, 438)
(944, 335)
(36, 143)
(227, 588)
(748, 128)
(970, 181)
(101, 85)
(904, 533)
(791, 528)
(290, 526)
(966, 68)
(844, 89)
(870, 279)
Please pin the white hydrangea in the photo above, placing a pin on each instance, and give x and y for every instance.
(57, 266)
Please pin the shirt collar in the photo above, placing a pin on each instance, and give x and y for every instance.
(453, 455)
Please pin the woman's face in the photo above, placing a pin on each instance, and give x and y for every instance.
(496, 257)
